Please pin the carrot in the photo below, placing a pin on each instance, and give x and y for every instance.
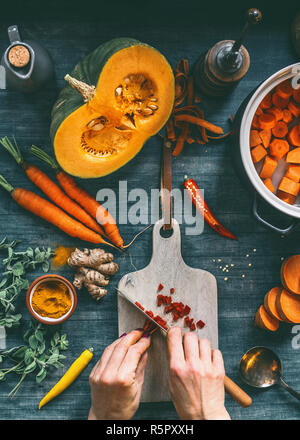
(296, 95)
(265, 321)
(285, 197)
(289, 186)
(290, 274)
(83, 198)
(258, 153)
(277, 112)
(266, 102)
(255, 122)
(53, 191)
(278, 101)
(201, 122)
(294, 108)
(270, 302)
(287, 116)
(269, 184)
(279, 148)
(68, 378)
(254, 138)
(294, 136)
(284, 89)
(293, 173)
(293, 156)
(266, 120)
(265, 136)
(259, 111)
(51, 213)
(288, 307)
(280, 130)
(268, 168)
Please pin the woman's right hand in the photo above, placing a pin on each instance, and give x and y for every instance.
(196, 377)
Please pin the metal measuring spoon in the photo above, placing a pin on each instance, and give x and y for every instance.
(260, 367)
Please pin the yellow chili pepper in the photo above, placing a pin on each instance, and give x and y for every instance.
(75, 369)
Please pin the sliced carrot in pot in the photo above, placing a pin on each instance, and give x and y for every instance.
(278, 101)
(294, 136)
(279, 148)
(258, 153)
(268, 168)
(285, 197)
(287, 116)
(284, 89)
(277, 112)
(294, 108)
(267, 120)
(293, 173)
(265, 136)
(266, 102)
(293, 156)
(289, 186)
(254, 138)
(269, 184)
(280, 130)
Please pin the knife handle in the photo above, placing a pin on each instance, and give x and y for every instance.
(237, 393)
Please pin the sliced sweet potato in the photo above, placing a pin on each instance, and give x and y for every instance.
(279, 148)
(294, 108)
(293, 156)
(289, 186)
(287, 116)
(265, 136)
(277, 112)
(284, 89)
(294, 136)
(258, 153)
(266, 121)
(290, 274)
(280, 129)
(288, 307)
(269, 184)
(270, 302)
(285, 197)
(265, 321)
(268, 168)
(293, 173)
(254, 138)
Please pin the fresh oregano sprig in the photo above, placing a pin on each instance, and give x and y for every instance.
(16, 266)
(41, 351)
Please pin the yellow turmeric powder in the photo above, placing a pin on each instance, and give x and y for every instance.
(51, 299)
(61, 256)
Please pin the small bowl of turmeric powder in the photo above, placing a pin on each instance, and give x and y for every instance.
(51, 299)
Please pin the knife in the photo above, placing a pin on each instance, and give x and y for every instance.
(165, 332)
(239, 395)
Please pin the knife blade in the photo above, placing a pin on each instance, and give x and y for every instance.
(141, 311)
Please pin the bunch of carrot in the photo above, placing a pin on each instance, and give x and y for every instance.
(274, 135)
(83, 208)
(186, 114)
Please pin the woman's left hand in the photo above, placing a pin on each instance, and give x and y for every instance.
(116, 380)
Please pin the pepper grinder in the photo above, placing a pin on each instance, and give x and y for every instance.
(220, 69)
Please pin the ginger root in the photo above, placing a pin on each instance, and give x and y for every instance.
(93, 266)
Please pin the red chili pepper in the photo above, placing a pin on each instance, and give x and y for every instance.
(139, 305)
(200, 324)
(192, 327)
(172, 290)
(149, 313)
(160, 287)
(202, 207)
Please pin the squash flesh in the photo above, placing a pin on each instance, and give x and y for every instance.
(85, 152)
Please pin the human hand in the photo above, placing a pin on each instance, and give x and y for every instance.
(196, 377)
(116, 380)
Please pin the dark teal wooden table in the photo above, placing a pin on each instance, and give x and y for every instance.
(176, 32)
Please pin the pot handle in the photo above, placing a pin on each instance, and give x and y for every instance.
(285, 231)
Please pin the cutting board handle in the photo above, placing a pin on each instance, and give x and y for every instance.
(237, 393)
(166, 246)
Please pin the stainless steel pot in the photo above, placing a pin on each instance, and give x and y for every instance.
(242, 156)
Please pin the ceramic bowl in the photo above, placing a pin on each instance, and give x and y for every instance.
(44, 319)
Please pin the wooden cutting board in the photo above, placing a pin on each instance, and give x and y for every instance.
(195, 287)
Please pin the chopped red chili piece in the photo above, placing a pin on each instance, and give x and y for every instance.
(169, 308)
(160, 287)
(200, 324)
(187, 310)
(139, 305)
(172, 290)
(149, 313)
(192, 327)
(187, 321)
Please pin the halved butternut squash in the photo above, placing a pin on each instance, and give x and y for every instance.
(126, 94)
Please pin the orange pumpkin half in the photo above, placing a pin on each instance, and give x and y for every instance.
(117, 97)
